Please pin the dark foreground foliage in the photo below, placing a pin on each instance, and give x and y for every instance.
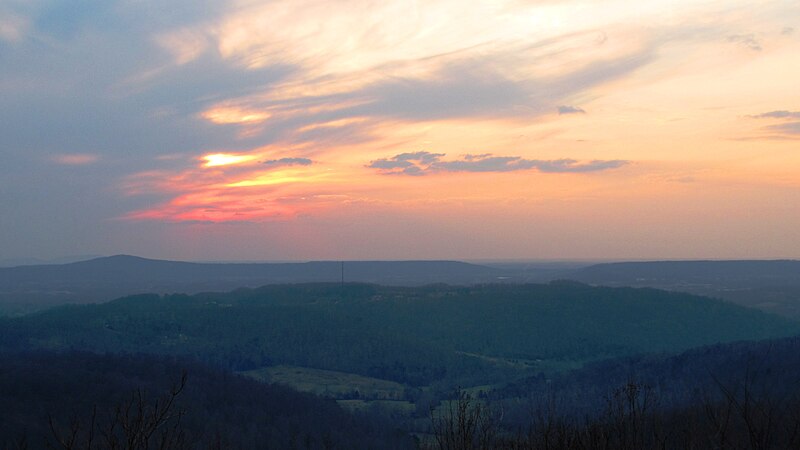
(739, 416)
(743, 395)
(771, 369)
(82, 401)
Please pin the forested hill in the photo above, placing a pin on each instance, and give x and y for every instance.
(415, 336)
(772, 286)
(25, 289)
(219, 409)
(741, 274)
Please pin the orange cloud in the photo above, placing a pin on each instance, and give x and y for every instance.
(274, 189)
(234, 115)
(370, 80)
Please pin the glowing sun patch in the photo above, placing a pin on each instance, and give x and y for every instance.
(225, 159)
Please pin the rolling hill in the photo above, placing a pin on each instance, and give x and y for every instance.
(412, 335)
(772, 286)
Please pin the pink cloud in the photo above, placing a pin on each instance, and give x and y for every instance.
(75, 159)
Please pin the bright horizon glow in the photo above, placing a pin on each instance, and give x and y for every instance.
(304, 130)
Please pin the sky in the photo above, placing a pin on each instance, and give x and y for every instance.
(438, 129)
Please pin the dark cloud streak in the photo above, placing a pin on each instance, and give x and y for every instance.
(792, 128)
(780, 114)
(288, 162)
(789, 128)
(566, 109)
(423, 163)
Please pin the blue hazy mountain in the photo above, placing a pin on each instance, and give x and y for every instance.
(30, 288)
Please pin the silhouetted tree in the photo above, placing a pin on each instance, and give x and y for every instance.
(464, 424)
(135, 424)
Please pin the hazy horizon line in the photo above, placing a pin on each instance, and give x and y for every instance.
(69, 259)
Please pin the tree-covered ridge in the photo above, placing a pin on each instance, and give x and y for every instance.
(416, 336)
(770, 368)
(743, 395)
(737, 273)
(771, 286)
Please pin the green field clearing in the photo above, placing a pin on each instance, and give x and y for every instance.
(541, 365)
(393, 407)
(330, 383)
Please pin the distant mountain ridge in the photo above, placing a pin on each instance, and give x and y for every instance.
(124, 268)
(29, 288)
(14, 262)
(770, 285)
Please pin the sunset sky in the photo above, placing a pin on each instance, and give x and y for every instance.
(439, 129)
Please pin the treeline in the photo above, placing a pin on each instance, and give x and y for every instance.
(771, 369)
(52, 399)
(85, 401)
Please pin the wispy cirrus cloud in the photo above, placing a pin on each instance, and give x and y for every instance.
(467, 83)
(258, 110)
(424, 163)
(748, 40)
